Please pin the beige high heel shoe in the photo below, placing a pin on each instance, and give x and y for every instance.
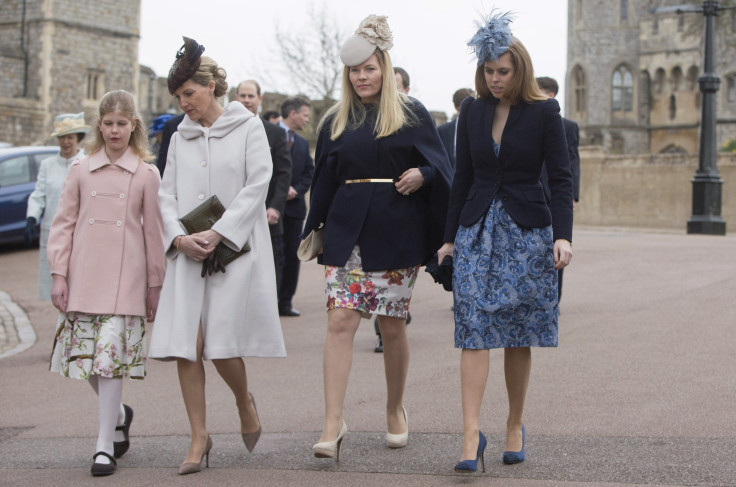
(400, 440)
(250, 439)
(192, 467)
(331, 449)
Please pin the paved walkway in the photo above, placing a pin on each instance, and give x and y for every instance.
(640, 392)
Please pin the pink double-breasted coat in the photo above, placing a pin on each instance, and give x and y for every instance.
(107, 235)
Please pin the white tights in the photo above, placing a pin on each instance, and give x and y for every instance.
(111, 412)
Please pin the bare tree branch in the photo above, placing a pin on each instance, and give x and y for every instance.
(311, 56)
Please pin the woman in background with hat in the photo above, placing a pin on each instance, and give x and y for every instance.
(218, 316)
(69, 130)
(154, 132)
(380, 189)
(507, 242)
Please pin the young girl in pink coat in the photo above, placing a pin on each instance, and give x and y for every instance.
(106, 257)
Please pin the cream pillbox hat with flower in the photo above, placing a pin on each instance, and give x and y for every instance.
(373, 33)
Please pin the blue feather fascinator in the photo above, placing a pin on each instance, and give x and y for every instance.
(493, 37)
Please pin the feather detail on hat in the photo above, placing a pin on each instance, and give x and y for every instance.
(187, 62)
(493, 37)
(375, 30)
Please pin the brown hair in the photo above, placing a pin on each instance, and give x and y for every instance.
(523, 85)
(208, 71)
(123, 102)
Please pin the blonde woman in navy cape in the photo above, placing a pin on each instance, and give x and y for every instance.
(507, 241)
(381, 189)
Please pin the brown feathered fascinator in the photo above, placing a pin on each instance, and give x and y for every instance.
(187, 63)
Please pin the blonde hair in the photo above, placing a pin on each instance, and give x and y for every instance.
(208, 71)
(523, 85)
(123, 102)
(393, 106)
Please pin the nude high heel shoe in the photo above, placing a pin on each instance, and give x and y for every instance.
(250, 439)
(192, 467)
(331, 449)
(400, 440)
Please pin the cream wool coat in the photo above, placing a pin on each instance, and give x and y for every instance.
(43, 202)
(237, 309)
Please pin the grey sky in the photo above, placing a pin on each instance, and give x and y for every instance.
(430, 37)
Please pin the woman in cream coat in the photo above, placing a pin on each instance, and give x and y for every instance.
(223, 316)
(69, 129)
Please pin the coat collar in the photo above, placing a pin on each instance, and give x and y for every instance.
(514, 114)
(128, 161)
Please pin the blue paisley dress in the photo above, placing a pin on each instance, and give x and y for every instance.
(504, 283)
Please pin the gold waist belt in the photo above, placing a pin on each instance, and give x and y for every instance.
(372, 180)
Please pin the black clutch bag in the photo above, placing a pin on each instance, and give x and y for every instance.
(202, 218)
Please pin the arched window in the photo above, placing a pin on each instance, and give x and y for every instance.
(676, 78)
(673, 106)
(578, 79)
(731, 88)
(693, 73)
(624, 9)
(622, 94)
(659, 76)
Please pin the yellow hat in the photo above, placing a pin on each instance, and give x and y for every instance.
(70, 123)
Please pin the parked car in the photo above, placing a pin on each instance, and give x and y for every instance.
(18, 173)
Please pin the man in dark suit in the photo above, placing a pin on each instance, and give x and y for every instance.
(550, 88)
(295, 113)
(170, 127)
(447, 130)
(249, 94)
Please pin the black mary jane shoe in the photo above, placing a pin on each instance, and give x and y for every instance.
(120, 447)
(102, 469)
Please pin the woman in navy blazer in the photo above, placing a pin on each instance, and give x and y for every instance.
(507, 241)
(380, 187)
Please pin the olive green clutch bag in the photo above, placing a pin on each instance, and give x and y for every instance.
(202, 218)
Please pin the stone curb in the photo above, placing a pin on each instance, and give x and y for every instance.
(21, 323)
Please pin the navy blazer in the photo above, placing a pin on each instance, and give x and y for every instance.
(447, 135)
(278, 187)
(302, 169)
(393, 230)
(170, 127)
(571, 134)
(533, 135)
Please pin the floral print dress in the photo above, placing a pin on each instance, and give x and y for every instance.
(504, 283)
(381, 292)
(106, 345)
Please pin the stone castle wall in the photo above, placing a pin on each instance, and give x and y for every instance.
(646, 191)
(66, 41)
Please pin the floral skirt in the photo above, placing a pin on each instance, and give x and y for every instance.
(379, 292)
(504, 284)
(110, 346)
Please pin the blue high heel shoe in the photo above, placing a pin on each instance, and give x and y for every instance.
(511, 457)
(468, 466)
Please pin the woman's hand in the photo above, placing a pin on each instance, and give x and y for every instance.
(195, 246)
(563, 253)
(410, 181)
(446, 249)
(59, 292)
(154, 293)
